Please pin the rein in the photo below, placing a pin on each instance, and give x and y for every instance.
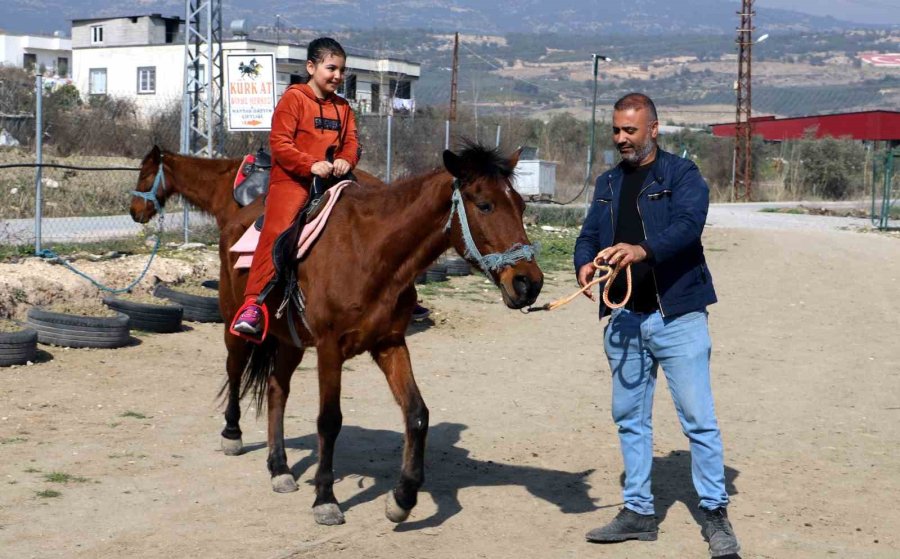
(489, 262)
(609, 275)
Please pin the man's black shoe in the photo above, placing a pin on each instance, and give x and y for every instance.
(627, 525)
(420, 312)
(718, 532)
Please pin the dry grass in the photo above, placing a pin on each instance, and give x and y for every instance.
(67, 192)
(82, 307)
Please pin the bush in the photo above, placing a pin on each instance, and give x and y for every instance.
(826, 168)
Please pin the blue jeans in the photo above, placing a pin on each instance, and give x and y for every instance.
(636, 345)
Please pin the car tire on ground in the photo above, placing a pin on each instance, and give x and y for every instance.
(149, 317)
(436, 272)
(18, 347)
(197, 308)
(211, 284)
(458, 267)
(71, 330)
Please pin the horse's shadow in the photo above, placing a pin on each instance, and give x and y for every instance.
(672, 483)
(375, 454)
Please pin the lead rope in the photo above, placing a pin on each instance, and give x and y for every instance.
(609, 276)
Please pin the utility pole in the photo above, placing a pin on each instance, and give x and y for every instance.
(454, 75)
(743, 149)
(596, 58)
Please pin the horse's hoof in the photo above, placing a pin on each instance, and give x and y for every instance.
(232, 447)
(328, 514)
(393, 511)
(284, 483)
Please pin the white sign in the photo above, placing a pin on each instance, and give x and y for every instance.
(250, 90)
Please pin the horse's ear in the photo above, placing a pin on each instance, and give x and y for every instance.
(155, 154)
(514, 159)
(453, 163)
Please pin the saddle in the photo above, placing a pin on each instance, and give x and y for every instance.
(252, 180)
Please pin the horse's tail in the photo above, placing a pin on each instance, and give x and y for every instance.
(261, 364)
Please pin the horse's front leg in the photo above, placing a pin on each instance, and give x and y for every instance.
(325, 508)
(393, 359)
(286, 360)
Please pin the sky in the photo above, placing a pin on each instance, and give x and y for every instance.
(859, 11)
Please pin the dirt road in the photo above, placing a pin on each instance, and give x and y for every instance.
(522, 454)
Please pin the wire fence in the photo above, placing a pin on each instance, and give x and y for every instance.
(91, 148)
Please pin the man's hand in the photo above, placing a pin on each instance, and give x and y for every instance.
(322, 169)
(341, 167)
(623, 254)
(585, 275)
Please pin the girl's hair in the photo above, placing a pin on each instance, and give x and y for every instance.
(319, 48)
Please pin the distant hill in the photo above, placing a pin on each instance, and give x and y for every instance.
(644, 17)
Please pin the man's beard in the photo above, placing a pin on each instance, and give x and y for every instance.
(638, 153)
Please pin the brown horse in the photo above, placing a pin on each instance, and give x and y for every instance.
(358, 282)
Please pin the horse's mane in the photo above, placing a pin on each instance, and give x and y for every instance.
(205, 161)
(480, 161)
(476, 161)
(395, 194)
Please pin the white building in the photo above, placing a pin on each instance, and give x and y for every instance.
(50, 54)
(142, 57)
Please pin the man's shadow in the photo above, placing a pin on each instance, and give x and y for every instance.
(672, 482)
(376, 454)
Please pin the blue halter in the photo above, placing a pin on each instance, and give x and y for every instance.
(489, 262)
(150, 196)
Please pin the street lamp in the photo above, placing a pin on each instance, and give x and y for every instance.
(596, 58)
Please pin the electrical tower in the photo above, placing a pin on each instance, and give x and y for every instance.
(202, 114)
(743, 149)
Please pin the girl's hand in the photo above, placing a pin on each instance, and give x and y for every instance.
(341, 167)
(322, 169)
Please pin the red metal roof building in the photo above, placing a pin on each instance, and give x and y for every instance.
(863, 125)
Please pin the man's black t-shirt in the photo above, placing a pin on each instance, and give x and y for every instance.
(629, 229)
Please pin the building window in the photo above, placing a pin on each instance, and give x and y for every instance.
(62, 67)
(146, 79)
(97, 35)
(376, 98)
(401, 89)
(348, 88)
(171, 30)
(97, 81)
(29, 61)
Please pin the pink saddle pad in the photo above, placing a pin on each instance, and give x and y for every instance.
(311, 231)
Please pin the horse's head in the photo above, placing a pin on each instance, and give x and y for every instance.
(151, 191)
(487, 225)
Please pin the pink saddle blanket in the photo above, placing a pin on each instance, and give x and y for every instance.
(311, 231)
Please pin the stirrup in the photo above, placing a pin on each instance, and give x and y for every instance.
(258, 339)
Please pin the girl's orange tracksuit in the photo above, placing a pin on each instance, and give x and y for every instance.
(303, 127)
